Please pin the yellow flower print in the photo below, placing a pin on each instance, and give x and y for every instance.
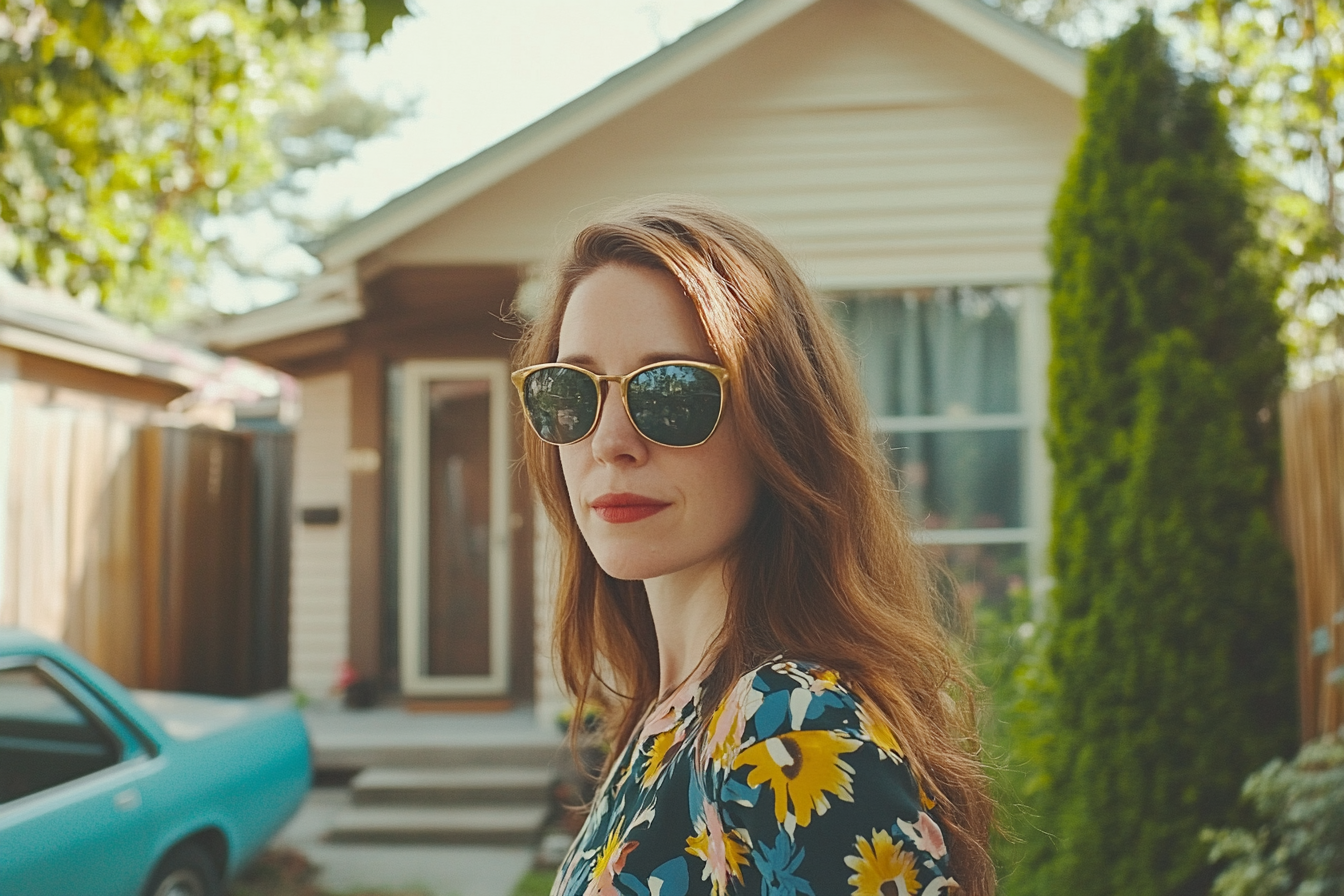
(724, 852)
(609, 851)
(880, 733)
(658, 753)
(815, 682)
(882, 868)
(826, 681)
(610, 862)
(801, 767)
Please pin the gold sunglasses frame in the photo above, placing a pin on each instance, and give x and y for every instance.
(519, 377)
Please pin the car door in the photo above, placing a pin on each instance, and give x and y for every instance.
(72, 818)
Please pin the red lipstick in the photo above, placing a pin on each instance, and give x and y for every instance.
(624, 507)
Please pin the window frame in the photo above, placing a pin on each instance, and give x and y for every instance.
(103, 716)
(1031, 335)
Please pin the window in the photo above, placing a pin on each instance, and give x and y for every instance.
(46, 739)
(942, 373)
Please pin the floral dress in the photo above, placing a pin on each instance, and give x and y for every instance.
(787, 788)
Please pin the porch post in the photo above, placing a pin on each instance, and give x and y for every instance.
(364, 460)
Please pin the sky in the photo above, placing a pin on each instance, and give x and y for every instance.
(476, 70)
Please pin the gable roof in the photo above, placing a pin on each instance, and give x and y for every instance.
(333, 297)
(1051, 61)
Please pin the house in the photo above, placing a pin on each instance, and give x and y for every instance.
(126, 507)
(905, 152)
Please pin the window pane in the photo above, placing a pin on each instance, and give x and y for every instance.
(44, 739)
(959, 480)
(935, 352)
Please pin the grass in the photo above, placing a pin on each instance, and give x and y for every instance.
(535, 883)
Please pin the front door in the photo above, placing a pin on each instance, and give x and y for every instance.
(455, 528)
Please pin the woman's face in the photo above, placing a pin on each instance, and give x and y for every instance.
(647, 510)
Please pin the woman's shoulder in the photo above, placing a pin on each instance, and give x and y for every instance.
(808, 785)
(788, 694)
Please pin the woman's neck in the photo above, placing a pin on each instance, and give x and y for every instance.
(688, 608)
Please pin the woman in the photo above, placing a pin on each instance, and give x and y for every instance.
(737, 572)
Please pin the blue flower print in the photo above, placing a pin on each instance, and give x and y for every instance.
(777, 865)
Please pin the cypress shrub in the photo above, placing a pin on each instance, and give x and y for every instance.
(1170, 657)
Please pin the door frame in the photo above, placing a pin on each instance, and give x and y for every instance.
(414, 526)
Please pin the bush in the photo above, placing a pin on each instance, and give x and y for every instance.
(1298, 848)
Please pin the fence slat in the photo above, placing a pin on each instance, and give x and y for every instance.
(1313, 457)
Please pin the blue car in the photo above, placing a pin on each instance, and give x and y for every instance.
(109, 792)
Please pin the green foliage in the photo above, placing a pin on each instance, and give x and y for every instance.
(1298, 847)
(1169, 668)
(1007, 659)
(535, 883)
(124, 125)
(1280, 68)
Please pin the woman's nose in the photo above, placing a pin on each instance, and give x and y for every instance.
(615, 439)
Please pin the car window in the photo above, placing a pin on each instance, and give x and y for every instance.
(45, 738)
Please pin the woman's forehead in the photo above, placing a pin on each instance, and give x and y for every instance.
(620, 314)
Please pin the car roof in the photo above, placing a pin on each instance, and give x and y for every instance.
(18, 640)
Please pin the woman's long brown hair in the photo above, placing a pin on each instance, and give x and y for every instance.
(826, 569)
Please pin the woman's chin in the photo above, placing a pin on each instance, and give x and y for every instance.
(628, 571)
(633, 566)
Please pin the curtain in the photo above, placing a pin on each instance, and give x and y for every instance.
(949, 354)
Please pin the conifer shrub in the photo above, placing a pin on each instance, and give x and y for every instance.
(1169, 660)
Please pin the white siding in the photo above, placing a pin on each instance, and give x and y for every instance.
(549, 696)
(320, 584)
(9, 372)
(876, 144)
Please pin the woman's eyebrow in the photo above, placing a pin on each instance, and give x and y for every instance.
(655, 357)
(585, 361)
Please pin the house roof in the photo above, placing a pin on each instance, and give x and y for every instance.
(47, 322)
(333, 298)
(1053, 62)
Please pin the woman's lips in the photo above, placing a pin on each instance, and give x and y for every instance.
(625, 507)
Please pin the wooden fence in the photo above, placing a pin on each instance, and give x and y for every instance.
(161, 554)
(1313, 452)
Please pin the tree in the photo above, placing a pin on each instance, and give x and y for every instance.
(1170, 657)
(1280, 64)
(1075, 22)
(123, 125)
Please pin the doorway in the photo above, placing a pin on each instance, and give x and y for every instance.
(455, 551)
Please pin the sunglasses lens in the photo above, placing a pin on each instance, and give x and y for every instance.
(674, 404)
(561, 404)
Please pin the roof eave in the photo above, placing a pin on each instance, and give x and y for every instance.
(649, 76)
(328, 300)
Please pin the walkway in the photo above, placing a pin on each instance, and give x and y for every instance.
(347, 740)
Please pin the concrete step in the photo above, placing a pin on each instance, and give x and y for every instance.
(335, 755)
(461, 786)
(502, 826)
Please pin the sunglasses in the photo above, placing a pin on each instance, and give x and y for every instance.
(672, 403)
